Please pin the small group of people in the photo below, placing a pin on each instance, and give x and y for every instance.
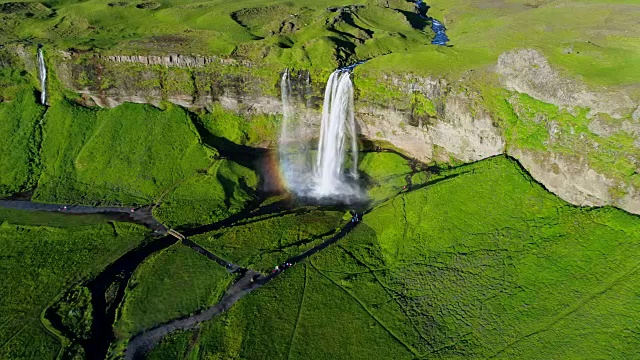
(281, 267)
(355, 217)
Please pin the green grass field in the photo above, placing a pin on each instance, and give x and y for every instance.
(262, 243)
(454, 270)
(173, 283)
(38, 264)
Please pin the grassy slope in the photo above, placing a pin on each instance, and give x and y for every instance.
(602, 34)
(385, 174)
(173, 283)
(129, 154)
(19, 117)
(454, 270)
(137, 154)
(208, 196)
(41, 262)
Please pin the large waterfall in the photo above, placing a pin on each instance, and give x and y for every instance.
(337, 128)
(42, 72)
(332, 170)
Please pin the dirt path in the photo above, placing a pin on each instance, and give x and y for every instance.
(140, 215)
(231, 267)
(145, 341)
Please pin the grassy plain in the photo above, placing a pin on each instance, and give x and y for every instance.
(39, 264)
(264, 242)
(173, 283)
(453, 270)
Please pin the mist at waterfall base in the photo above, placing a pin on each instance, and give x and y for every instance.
(328, 171)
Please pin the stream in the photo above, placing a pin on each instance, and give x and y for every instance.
(438, 28)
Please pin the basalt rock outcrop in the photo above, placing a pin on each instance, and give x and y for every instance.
(452, 120)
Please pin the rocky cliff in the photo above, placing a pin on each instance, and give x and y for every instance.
(581, 143)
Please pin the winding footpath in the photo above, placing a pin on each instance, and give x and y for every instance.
(248, 282)
(142, 215)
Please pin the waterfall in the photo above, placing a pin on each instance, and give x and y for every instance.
(338, 124)
(42, 72)
(324, 176)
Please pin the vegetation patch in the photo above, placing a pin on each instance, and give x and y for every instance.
(208, 196)
(173, 283)
(127, 155)
(39, 264)
(452, 270)
(20, 119)
(263, 242)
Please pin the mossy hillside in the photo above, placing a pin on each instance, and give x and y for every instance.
(531, 124)
(453, 270)
(252, 130)
(385, 174)
(173, 283)
(20, 120)
(126, 155)
(208, 196)
(39, 264)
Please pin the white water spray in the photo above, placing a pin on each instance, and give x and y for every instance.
(324, 176)
(338, 124)
(42, 70)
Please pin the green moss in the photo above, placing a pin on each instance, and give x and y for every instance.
(127, 155)
(422, 105)
(385, 174)
(535, 125)
(20, 119)
(252, 130)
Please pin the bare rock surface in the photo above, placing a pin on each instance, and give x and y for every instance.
(528, 71)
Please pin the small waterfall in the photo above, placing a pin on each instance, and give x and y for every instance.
(338, 124)
(42, 72)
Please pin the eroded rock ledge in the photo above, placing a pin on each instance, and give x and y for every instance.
(459, 124)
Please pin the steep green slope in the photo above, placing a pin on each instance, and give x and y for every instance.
(20, 119)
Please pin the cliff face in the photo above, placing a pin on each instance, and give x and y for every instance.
(582, 144)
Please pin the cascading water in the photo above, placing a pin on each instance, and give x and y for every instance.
(42, 72)
(338, 123)
(438, 28)
(324, 176)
